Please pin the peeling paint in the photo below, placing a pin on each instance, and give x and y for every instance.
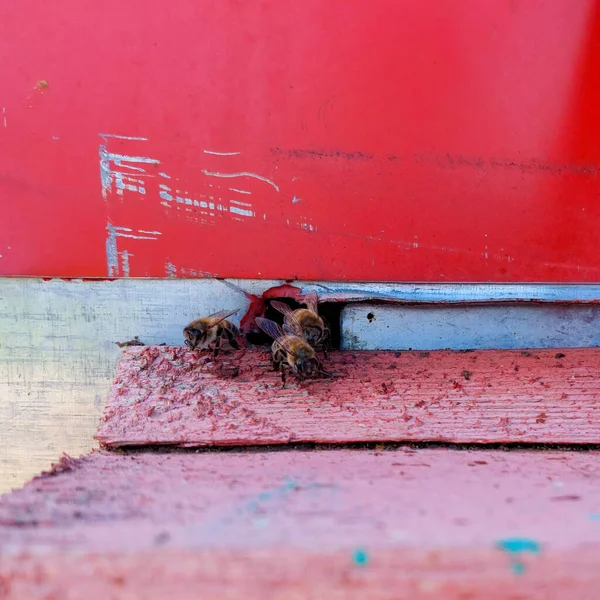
(172, 272)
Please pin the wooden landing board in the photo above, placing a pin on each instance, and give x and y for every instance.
(393, 524)
(169, 395)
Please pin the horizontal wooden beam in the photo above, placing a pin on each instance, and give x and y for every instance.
(383, 524)
(170, 395)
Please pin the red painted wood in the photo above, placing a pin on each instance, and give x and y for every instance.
(169, 395)
(452, 140)
(324, 524)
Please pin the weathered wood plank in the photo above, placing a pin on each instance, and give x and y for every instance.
(58, 352)
(173, 396)
(434, 523)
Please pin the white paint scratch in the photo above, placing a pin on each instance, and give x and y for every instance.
(241, 211)
(4, 115)
(104, 136)
(136, 237)
(241, 174)
(125, 262)
(295, 200)
(123, 179)
(164, 175)
(112, 252)
(170, 270)
(221, 153)
(239, 191)
(240, 203)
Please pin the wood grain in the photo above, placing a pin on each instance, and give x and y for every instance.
(174, 396)
(58, 356)
(393, 524)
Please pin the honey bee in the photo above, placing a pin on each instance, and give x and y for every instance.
(291, 349)
(314, 329)
(208, 331)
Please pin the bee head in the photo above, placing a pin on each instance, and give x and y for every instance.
(307, 367)
(194, 337)
(313, 335)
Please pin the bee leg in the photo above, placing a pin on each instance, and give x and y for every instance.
(283, 376)
(217, 346)
(231, 339)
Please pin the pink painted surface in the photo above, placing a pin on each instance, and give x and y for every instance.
(169, 395)
(397, 524)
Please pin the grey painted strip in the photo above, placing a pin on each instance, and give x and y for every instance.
(455, 292)
(335, 291)
(377, 327)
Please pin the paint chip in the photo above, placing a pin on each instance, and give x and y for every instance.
(515, 547)
(360, 557)
(516, 544)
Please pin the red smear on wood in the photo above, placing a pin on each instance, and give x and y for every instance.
(172, 395)
(258, 304)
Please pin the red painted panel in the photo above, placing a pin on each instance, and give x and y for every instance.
(173, 396)
(448, 140)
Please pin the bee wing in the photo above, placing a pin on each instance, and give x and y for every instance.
(292, 326)
(270, 327)
(312, 301)
(221, 315)
(281, 307)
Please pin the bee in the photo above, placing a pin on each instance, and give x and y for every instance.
(208, 331)
(314, 329)
(291, 349)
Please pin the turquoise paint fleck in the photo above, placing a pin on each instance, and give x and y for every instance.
(279, 492)
(594, 517)
(360, 557)
(515, 545)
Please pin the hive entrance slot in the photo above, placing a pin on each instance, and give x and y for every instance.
(329, 311)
